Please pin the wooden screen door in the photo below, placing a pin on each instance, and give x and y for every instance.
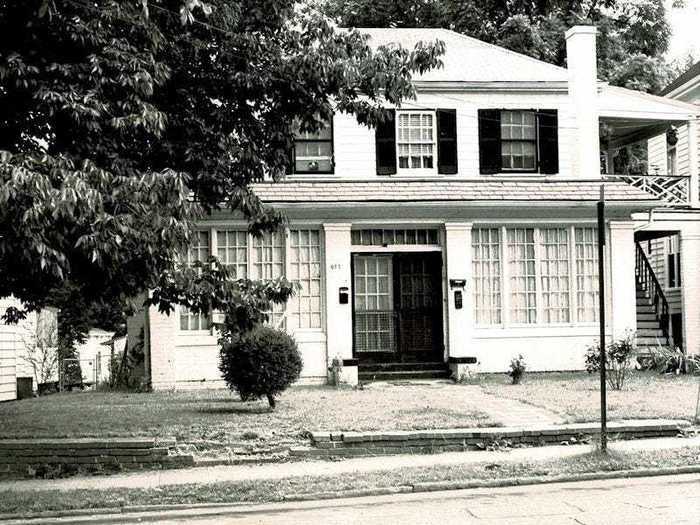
(397, 307)
(375, 328)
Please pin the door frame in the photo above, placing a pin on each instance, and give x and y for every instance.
(384, 357)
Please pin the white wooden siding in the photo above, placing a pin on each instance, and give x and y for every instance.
(354, 146)
(8, 344)
(657, 152)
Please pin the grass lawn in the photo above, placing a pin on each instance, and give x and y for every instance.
(576, 396)
(277, 490)
(220, 415)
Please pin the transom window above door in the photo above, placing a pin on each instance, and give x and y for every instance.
(416, 140)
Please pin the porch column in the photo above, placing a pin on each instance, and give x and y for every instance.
(338, 313)
(690, 289)
(693, 162)
(458, 267)
(623, 293)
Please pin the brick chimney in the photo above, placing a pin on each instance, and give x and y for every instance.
(583, 93)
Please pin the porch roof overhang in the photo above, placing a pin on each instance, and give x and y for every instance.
(633, 116)
(443, 193)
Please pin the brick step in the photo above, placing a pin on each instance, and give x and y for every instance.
(399, 367)
(404, 374)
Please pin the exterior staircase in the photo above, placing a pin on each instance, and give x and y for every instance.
(652, 306)
(402, 371)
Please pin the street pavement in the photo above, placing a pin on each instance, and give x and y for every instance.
(648, 501)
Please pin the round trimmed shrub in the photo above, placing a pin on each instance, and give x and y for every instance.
(263, 362)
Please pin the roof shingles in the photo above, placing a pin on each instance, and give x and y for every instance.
(326, 191)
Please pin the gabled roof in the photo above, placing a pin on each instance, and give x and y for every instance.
(469, 59)
(689, 75)
(441, 190)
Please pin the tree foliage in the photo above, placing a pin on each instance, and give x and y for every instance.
(122, 126)
(633, 34)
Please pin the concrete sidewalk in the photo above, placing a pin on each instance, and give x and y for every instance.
(217, 474)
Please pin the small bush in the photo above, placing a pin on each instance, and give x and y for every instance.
(517, 369)
(263, 362)
(618, 359)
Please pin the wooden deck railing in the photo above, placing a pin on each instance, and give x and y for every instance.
(672, 189)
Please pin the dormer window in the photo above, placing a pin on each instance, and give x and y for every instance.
(313, 151)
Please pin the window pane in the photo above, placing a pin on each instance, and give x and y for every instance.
(415, 140)
(305, 260)
(586, 249)
(521, 266)
(554, 274)
(199, 251)
(486, 275)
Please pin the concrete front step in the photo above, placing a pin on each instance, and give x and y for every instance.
(646, 316)
(439, 373)
(427, 441)
(651, 341)
(649, 332)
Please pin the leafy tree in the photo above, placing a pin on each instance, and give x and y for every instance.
(633, 34)
(124, 122)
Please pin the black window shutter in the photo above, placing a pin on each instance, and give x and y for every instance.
(292, 160)
(385, 138)
(678, 269)
(548, 130)
(671, 265)
(447, 141)
(489, 141)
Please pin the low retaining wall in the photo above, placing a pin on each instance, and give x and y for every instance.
(62, 457)
(455, 440)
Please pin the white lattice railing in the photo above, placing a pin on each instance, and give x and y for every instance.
(672, 189)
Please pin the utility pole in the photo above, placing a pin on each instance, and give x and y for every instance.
(601, 319)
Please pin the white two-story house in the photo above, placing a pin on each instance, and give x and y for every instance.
(459, 233)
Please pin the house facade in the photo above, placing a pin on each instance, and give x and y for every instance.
(670, 156)
(457, 235)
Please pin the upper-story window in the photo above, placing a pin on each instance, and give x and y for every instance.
(416, 140)
(518, 141)
(671, 159)
(313, 151)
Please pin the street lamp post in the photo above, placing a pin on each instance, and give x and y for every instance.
(601, 319)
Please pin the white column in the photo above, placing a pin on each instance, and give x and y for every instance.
(693, 163)
(162, 331)
(583, 93)
(690, 289)
(458, 266)
(623, 294)
(338, 275)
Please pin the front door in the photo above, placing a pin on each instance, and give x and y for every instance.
(397, 307)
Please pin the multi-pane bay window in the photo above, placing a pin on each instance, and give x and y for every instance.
(295, 254)
(534, 276)
(199, 251)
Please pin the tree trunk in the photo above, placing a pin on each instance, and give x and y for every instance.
(271, 401)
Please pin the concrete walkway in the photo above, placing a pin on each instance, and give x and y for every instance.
(208, 475)
(514, 413)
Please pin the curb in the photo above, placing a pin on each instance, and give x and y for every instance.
(171, 511)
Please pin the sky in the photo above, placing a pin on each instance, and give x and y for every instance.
(685, 23)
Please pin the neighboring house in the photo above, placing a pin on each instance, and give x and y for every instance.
(27, 350)
(670, 155)
(94, 356)
(461, 232)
